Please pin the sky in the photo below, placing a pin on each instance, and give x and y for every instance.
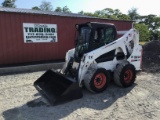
(145, 7)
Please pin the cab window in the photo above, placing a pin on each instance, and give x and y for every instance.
(104, 35)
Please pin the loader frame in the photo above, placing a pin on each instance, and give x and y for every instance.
(128, 45)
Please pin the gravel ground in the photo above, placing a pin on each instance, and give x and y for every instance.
(19, 100)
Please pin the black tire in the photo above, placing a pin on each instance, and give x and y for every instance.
(97, 81)
(124, 74)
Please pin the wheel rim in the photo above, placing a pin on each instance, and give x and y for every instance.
(100, 80)
(128, 76)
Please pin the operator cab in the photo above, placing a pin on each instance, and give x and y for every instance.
(93, 35)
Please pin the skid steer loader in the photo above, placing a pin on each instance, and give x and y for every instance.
(98, 57)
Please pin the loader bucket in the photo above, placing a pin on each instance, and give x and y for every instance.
(57, 88)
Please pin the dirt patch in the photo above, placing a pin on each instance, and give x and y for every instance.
(151, 56)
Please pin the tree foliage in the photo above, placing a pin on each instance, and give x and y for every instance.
(9, 3)
(58, 9)
(81, 12)
(46, 6)
(36, 8)
(133, 14)
(144, 33)
(108, 13)
(148, 26)
(65, 9)
(153, 23)
(123, 17)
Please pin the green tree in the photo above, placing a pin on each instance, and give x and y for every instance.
(81, 12)
(133, 14)
(117, 12)
(46, 6)
(58, 9)
(153, 23)
(89, 14)
(99, 13)
(158, 32)
(155, 35)
(108, 13)
(123, 17)
(36, 8)
(9, 3)
(66, 9)
(111, 14)
(144, 34)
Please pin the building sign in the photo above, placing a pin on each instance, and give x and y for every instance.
(34, 32)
